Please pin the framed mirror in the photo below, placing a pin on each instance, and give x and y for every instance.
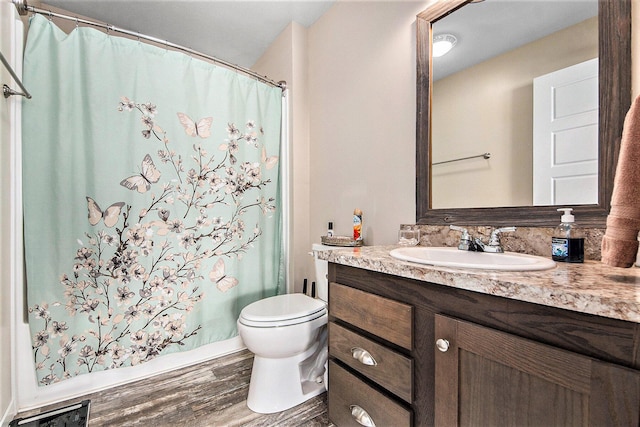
(614, 98)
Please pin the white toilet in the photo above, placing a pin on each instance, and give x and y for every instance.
(288, 336)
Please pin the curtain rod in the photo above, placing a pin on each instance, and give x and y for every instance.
(24, 8)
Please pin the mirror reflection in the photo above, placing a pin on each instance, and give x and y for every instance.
(516, 99)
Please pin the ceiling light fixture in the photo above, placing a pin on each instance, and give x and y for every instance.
(442, 44)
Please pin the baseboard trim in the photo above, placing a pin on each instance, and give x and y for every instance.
(91, 383)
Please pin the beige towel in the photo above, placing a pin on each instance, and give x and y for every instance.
(620, 242)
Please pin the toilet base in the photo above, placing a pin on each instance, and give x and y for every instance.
(277, 384)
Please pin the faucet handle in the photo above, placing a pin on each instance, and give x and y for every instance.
(461, 229)
(494, 240)
(465, 240)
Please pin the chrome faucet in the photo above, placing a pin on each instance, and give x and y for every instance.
(466, 243)
(494, 244)
(476, 245)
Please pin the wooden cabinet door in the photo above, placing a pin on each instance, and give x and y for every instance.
(486, 377)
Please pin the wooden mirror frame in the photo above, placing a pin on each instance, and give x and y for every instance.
(614, 51)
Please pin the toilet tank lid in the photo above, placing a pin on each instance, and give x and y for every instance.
(321, 247)
(282, 307)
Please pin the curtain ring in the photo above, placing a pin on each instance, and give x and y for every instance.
(50, 16)
(77, 23)
(138, 36)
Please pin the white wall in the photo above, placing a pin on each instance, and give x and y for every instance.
(352, 82)
(286, 59)
(362, 77)
(351, 77)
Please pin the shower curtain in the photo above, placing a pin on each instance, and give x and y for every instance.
(151, 200)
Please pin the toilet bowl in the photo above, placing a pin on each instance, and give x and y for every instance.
(288, 336)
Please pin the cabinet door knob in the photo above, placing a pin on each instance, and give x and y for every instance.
(442, 345)
(363, 356)
(361, 416)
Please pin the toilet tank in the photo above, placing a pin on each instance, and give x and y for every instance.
(322, 269)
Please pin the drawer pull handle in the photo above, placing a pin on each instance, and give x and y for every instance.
(442, 345)
(363, 356)
(361, 416)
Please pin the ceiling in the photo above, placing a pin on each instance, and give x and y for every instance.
(239, 31)
(492, 27)
(236, 31)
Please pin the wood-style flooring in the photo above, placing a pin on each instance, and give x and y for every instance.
(209, 394)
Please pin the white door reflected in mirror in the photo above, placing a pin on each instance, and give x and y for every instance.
(565, 136)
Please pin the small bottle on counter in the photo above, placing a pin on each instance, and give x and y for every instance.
(567, 242)
(330, 229)
(357, 225)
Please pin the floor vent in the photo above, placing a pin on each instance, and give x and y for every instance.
(70, 416)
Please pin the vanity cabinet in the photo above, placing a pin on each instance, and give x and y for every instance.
(472, 359)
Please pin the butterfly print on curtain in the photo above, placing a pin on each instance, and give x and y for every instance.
(142, 182)
(138, 274)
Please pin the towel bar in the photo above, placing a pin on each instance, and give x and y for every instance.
(484, 155)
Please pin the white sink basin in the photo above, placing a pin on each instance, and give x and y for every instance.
(452, 257)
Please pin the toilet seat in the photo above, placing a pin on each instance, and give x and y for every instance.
(282, 310)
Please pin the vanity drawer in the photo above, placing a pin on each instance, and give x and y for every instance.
(391, 370)
(347, 394)
(383, 317)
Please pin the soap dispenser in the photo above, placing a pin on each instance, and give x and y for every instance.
(567, 243)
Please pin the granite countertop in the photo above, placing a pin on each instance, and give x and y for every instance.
(591, 287)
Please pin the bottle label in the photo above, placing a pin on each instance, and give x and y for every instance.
(559, 248)
(357, 227)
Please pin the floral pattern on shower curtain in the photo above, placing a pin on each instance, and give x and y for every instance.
(151, 200)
